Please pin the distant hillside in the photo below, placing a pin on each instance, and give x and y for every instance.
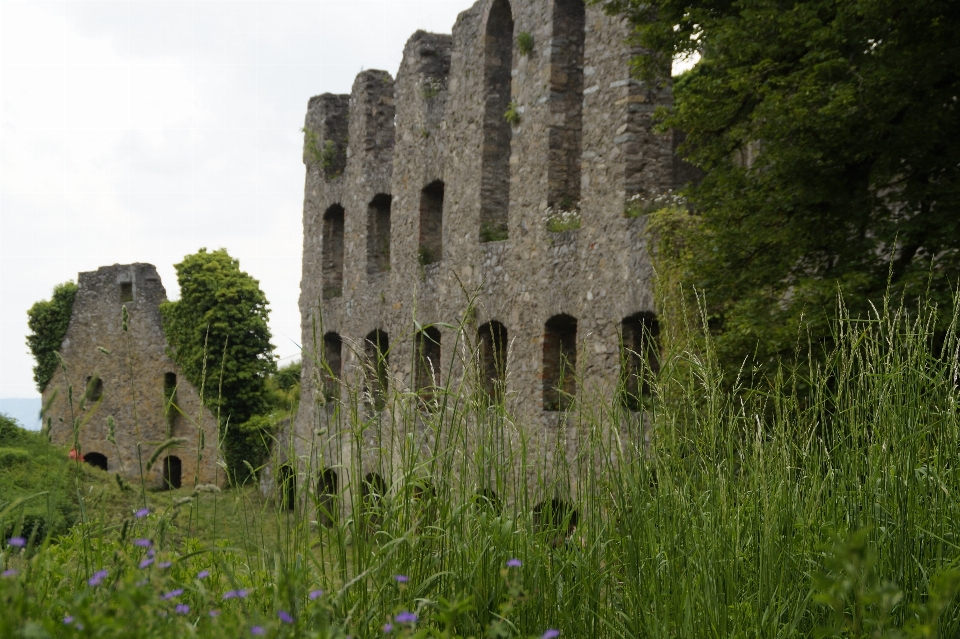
(25, 410)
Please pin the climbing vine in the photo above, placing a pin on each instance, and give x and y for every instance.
(48, 321)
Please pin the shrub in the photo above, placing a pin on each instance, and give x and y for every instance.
(48, 321)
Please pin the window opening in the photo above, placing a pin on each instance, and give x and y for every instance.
(376, 348)
(566, 105)
(431, 223)
(97, 460)
(559, 362)
(427, 345)
(372, 493)
(497, 132)
(492, 337)
(378, 234)
(287, 485)
(557, 519)
(172, 472)
(639, 358)
(332, 365)
(488, 498)
(327, 494)
(94, 388)
(333, 252)
(126, 292)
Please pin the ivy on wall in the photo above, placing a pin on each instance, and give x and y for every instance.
(48, 321)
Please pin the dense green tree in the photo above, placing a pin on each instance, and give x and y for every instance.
(219, 336)
(48, 321)
(829, 134)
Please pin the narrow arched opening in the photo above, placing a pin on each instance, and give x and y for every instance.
(333, 221)
(376, 349)
(172, 472)
(431, 223)
(487, 499)
(492, 341)
(373, 491)
(378, 234)
(559, 362)
(557, 519)
(328, 486)
(427, 362)
(639, 358)
(497, 132)
(332, 365)
(287, 487)
(564, 135)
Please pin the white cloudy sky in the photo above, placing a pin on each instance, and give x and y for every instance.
(142, 130)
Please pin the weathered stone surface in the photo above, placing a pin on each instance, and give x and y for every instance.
(136, 377)
(584, 140)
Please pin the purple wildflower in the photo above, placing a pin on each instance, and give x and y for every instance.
(182, 609)
(9, 573)
(234, 594)
(314, 594)
(164, 564)
(151, 552)
(203, 574)
(551, 633)
(513, 563)
(17, 542)
(68, 620)
(143, 512)
(214, 613)
(173, 593)
(145, 563)
(387, 627)
(97, 578)
(401, 579)
(285, 616)
(406, 617)
(258, 630)
(143, 543)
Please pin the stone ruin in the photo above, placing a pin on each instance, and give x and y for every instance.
(127, 377)
(488, 171)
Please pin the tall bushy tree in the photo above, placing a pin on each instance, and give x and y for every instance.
(48, 321)
(829, 133)
(219, 336)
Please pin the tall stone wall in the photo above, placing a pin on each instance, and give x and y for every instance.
(138, 380)
(580, 139)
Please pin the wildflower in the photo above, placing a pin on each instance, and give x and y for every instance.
(68, 620)
(387, 627)
(513, 563)
(151, 552)
(401, 579)
(203, 574)
(214, 614)
(97, 578)
(234, 594)
(143, 543)
(143, 512)
(172, 594)
(164, 564)
(551, 633)
(315, 594)
(145, 563)
(258, 630)
(406, 617)
(17, 542)
(182, 609)
(285, 616)
(10, 573)
(73, 454)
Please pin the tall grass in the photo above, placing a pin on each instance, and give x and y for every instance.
(824, 503)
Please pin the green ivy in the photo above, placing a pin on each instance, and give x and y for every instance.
(48, 321)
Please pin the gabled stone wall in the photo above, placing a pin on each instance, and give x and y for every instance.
(137, 380)
(581, 139)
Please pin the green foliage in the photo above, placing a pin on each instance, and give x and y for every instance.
(425, 256)
(48, 321)
(284, 388)
(829, 137)
(512, 114)
(493, 232)
(219, 336)
(326, 156)
(525, 43)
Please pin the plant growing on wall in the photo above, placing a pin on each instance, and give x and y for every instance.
(219, 336)
(512, 114)
(525, 43)
(48, 321)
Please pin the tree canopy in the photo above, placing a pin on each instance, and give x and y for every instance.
(219, 336)
(48, 321)
(828, 132)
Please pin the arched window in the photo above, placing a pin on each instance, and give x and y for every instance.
(559, 362)
(169, 402)
(378, 234)
(333, 252)
(488, 498)
(332, 365)
(431, 223)
(172, 473)
(557, 519)
(495, 159)
(327, 493)
(287, 487)
(565, 132)
(94, 388)
(639, 358)
(97, 460)
(427, 362)
(372, 493)
(376, 349)
(492, 339)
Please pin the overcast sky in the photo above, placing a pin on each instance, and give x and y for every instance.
(142, 130)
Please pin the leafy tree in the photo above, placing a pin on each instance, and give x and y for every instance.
(219, 336)
(829, 134)
(48, 321)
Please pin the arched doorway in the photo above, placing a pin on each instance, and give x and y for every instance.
(172, 472)
(98, 460)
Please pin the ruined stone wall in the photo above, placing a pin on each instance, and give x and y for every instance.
(583, 141)
(136, 379)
